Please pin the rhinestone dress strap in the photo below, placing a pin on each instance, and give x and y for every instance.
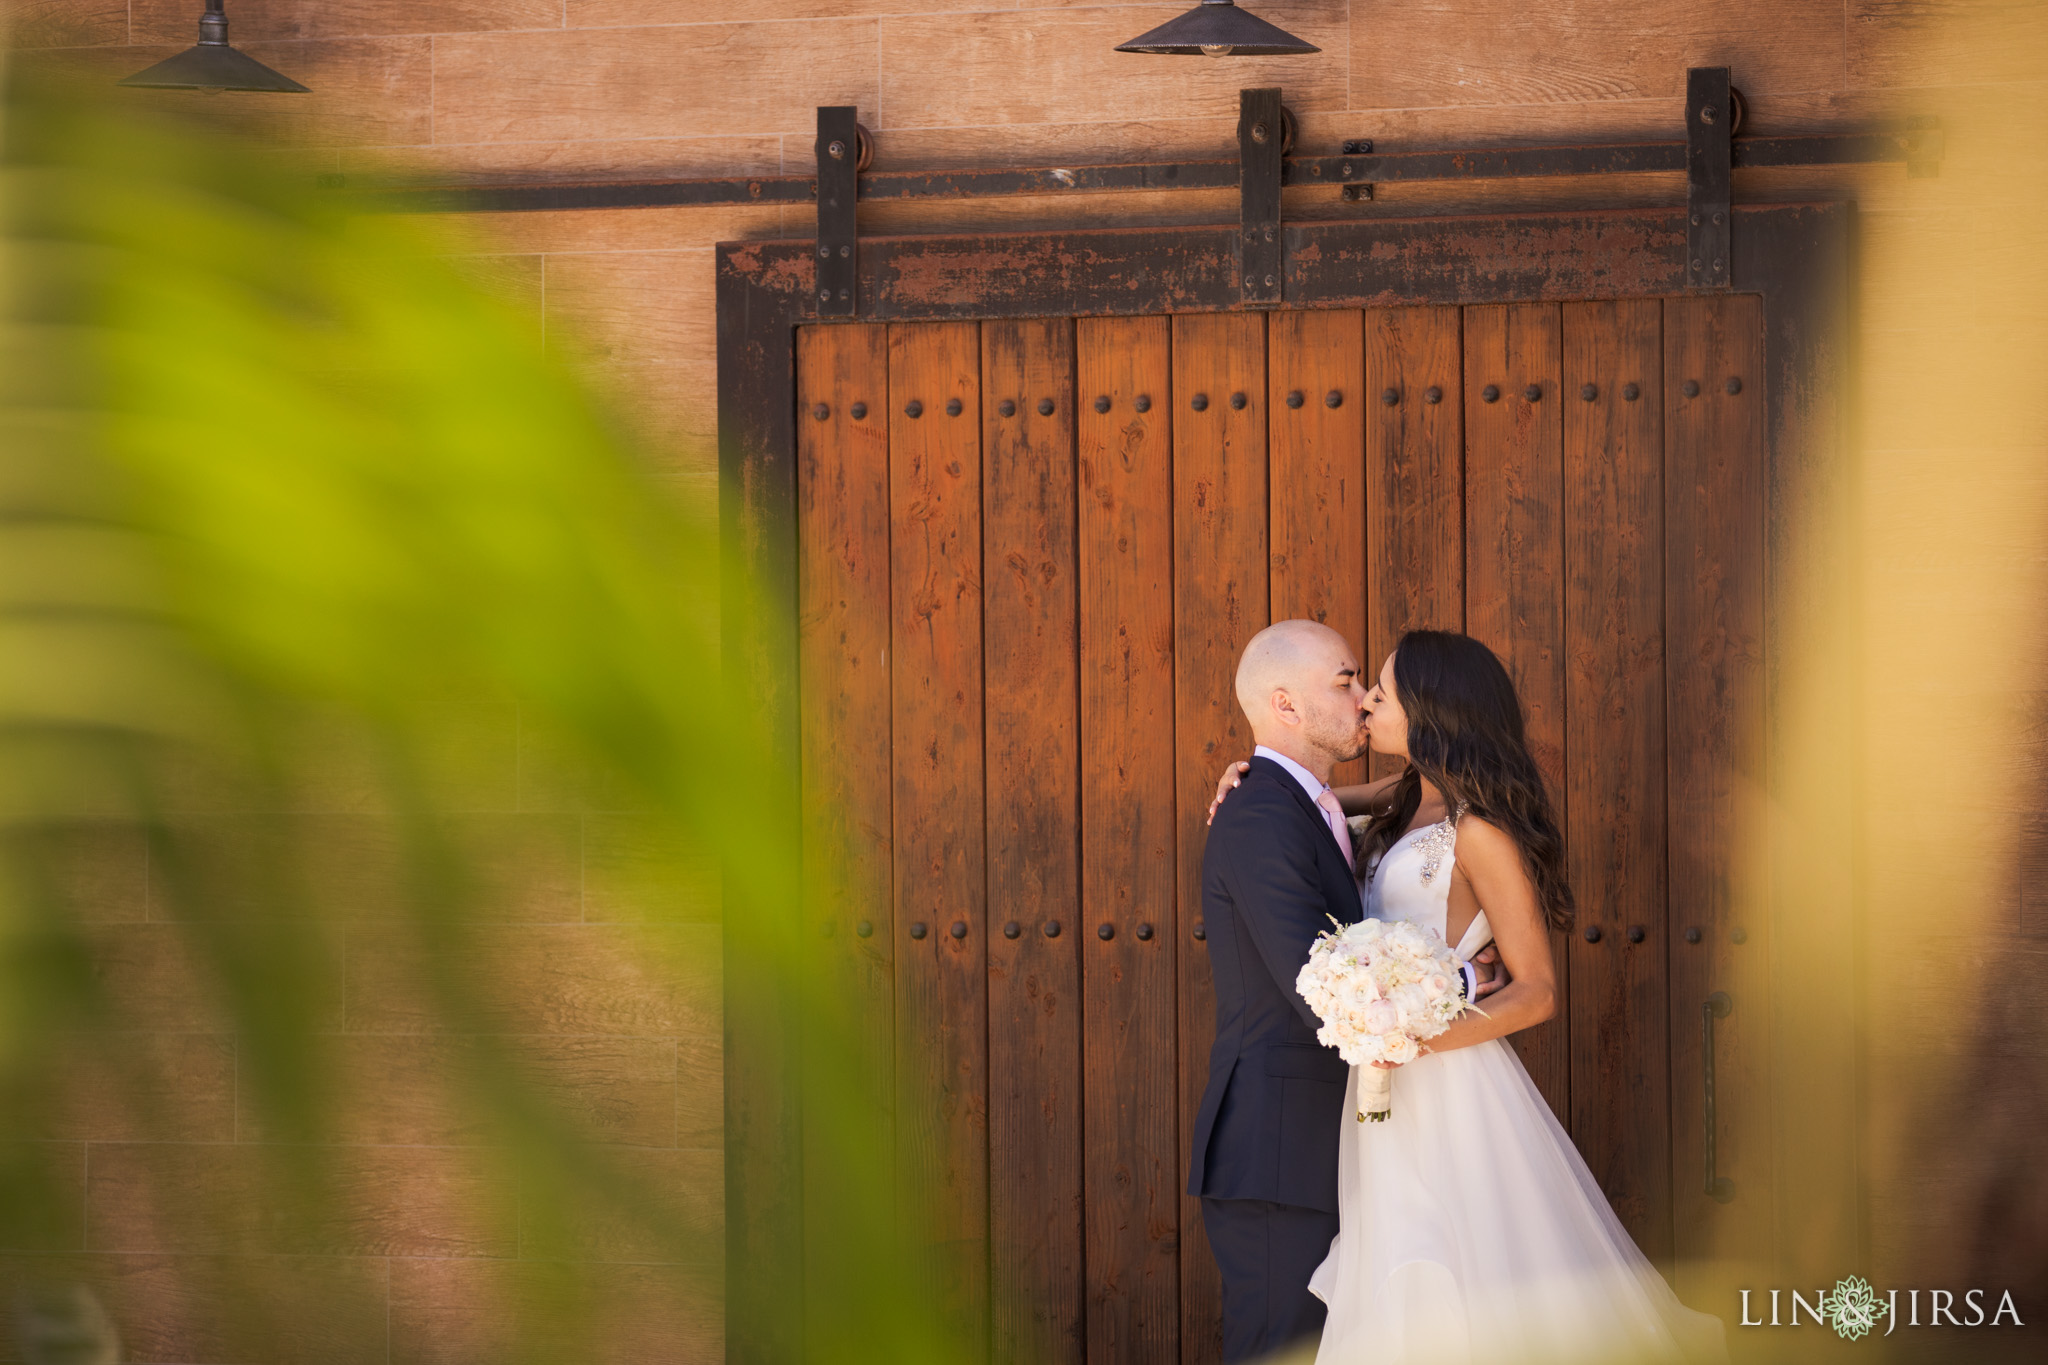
(1435, 844)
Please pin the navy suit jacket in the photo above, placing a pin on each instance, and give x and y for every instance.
(1272, 879)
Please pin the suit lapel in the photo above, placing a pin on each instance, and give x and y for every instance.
(1314, 812)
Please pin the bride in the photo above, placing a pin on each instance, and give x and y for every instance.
(1470, 1228)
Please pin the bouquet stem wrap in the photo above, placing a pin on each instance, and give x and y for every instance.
(1375, 1094)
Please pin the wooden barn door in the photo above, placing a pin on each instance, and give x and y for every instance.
(1030, 553)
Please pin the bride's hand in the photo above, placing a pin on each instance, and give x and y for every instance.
(1230, 778)
(1421, 1051)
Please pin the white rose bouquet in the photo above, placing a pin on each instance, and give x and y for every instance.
(1381, 988)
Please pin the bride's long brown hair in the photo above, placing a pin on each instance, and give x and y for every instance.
(1465, 734)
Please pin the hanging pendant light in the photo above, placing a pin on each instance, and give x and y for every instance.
(1218, 28)
(213, 65)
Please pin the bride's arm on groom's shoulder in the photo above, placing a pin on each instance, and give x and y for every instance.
(1489, 859)
(1359, 798)
(1233, 774)
(1356, 800)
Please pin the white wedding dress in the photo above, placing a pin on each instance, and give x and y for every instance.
(1471, 1230)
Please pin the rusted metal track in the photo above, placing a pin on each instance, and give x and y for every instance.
(1918, 147)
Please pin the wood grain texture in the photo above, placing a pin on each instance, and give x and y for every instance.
(416, 1089)
(1514, 575)
(700, 1091)
(1030, 592)
(1127, 840)
(375, 91)
(292, 1310)
(536, 868)
(1042, 66)
(675, 1219)
(1414, 475)
(633, 13)
(471, 763)
(48, 1213)
(1614, 779)
(644, 158)
(135, 1087)
(173, 21)
(1219, 602)
(623, 83)
(362, 91)
(354, 867)
(229, 1198)
(101, 870)
(623, 980)
(156, 978)
(635, 873)
(68, 23)
(1414, 480)
(454, 1312)
(940, 869)
(1715, 491)
(630, 307)
(587, 231)
(843, 596)
(670, 414)
(1918, 43)
(1317, 529)
(1489, 52)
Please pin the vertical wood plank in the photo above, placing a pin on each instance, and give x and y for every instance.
(936, 675)
(763, 912)
(1614, 747)
(1030, 578)
(1219, 602)
(1317, 545)
(1715, 489)
(843, 595)
(1414, 479)
(1514, 574)
(1127, 841)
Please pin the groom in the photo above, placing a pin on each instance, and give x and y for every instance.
(1277, 870)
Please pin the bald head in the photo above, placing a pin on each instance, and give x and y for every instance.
(1299, 686)
(1282, 656)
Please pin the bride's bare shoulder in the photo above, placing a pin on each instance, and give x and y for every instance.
(1483, 845)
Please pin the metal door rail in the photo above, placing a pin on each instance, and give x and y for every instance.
(1920, 149)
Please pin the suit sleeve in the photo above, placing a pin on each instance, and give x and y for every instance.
(1272, 880)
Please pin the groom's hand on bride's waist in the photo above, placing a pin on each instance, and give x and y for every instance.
(1487, 973)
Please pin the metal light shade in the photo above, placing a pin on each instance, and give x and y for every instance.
(1218, 28)
(213, 65)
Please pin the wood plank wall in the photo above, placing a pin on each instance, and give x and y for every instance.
(1032, 603)
(1566, 478)
(538, 89)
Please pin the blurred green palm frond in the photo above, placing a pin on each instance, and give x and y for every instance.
(280, 494)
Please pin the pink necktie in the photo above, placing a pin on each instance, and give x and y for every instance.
(1333, 812)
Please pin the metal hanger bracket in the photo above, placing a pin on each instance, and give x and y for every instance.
(1261, 248)
(1709, 176)
(839, 147)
